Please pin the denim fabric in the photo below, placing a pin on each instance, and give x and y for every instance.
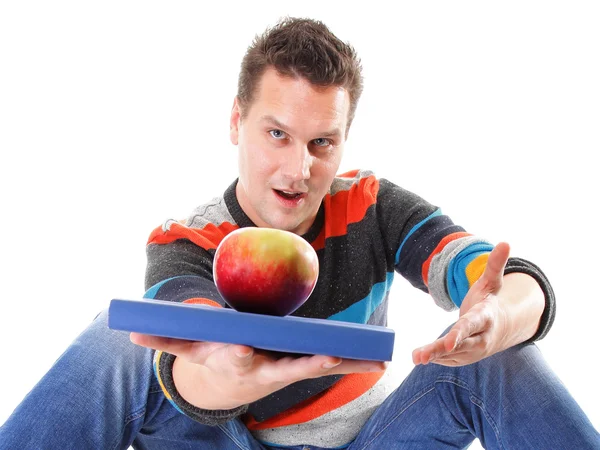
(102, 394)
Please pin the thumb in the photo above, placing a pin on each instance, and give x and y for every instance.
(494, 270)
(240, 355)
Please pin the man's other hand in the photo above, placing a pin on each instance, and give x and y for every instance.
(213, 375)
(481, 329)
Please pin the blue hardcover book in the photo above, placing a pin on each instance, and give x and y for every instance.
(283, 334)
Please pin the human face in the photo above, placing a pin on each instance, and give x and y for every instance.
(290, 146)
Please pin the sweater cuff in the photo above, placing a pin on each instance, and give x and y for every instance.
(547, 319)
(163, 369)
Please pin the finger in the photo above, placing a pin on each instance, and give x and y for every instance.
(193, 351)
(424, 354)
(440, 346)
(450, 362)
(358, 366)
(470, 350)
(474, 322)
(494, 269)
(458, 359)
(169, 345)
(289, 370)
(451, 344)
(240, 356)
(472, 344)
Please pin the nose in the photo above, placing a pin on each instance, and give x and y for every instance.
(296, 163)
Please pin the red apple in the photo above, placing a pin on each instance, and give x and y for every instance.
(265, 271)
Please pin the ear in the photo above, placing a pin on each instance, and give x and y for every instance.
(234, 122)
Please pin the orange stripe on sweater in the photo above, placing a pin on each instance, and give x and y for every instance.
(349, 206)
(350, 174)
(476, 268)
(451, 237)
(159, 376)
(208, 237)
(344, 391)
(319, 242)
(202, 301)
(336, 207)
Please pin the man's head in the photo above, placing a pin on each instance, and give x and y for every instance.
(301, 48)
(297, 93)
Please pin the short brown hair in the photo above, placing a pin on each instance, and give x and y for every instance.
(301, 48)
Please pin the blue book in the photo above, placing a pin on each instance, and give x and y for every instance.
(287, 334)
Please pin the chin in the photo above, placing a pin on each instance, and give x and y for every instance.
(287, 225)
(293, 221)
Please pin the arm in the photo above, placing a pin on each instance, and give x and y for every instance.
(215, 382)
(498, 312)
(442, 259)
(521, 301)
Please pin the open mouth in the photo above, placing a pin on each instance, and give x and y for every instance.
(288, 195)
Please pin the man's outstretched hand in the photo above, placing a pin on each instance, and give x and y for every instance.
(212, 375)
(482, 328)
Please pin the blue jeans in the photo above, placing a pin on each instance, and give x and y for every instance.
(102, 394)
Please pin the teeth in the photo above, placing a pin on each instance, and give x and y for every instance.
(290, 194)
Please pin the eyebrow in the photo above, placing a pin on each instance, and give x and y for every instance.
(268, 118)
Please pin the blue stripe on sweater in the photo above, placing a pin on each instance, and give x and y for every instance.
(155, 370)
(457, 282)
(437, 212)
(360, 311)
(151, 293)
(184, 287)
(419, 247)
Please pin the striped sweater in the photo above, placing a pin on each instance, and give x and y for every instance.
(366, 230)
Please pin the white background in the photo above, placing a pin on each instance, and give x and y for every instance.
(114, 117)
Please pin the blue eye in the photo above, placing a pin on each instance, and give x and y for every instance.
(277, 134)
(322, 142)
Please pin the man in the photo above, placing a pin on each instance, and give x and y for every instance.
(298, 91)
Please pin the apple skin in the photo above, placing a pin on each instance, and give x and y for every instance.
(265, 270)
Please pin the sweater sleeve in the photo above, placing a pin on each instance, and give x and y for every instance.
(439, 257)
(181, 271)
